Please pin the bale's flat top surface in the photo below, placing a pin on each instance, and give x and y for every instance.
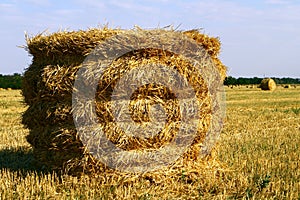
(83, 40)
(72, 46)
(79, 42)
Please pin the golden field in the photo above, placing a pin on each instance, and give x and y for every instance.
(258, 147)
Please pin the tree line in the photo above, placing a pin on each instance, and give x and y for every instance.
(255, 80)
(14, 81)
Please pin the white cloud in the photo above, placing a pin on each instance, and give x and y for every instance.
(63, 13)
(9, 13)
(6, 5)
(38, 2)
(277, 2)
(218, 10)
(95, 4)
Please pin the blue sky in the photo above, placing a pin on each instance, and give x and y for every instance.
(259, 37)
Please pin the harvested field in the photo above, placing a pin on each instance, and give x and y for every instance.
(259, 146)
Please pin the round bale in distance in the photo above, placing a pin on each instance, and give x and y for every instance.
(268, 84)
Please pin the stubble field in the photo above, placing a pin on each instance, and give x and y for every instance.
(258, 148)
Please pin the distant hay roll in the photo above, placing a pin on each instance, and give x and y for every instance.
(268, 84)
(49, 82)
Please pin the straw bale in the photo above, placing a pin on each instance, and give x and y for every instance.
(221, 67)
(48, 86)
(268, 84)
(66, 47)
(55, 145)
(213, 47)
(60, 148)
(66, 152)
(59, 114)
(211, 44)
(48, 113)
